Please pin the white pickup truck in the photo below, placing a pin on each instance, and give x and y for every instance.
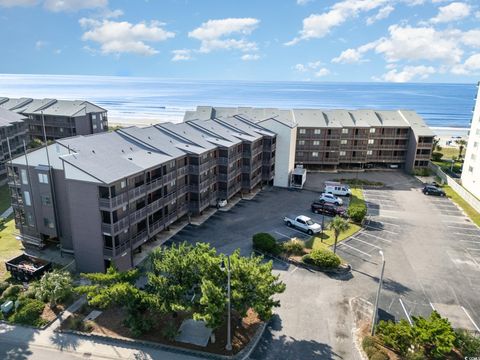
(303, 223)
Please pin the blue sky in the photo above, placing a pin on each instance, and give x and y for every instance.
(307, 40)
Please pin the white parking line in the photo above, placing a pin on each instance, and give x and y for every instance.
(390, 223)
(353, 248)
(472, 241)
(405, 311)
(375, 246)
(464, 234)
(388, 231)
(296, 268)
(283, 235)
(474, 249)
(461, 227)
(375, 236)
(389, 217)
(431, 305)
(301, 232)
(456, 216)
(470, 318)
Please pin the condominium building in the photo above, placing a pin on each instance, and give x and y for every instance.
(471, 165)
(101, 197)
(12, 136)
(62, 118)
(339, 139)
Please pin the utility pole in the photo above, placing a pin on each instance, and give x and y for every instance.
(375, 309)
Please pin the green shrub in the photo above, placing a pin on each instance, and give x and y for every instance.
(357, 212)
(265, 242)
(368, 341)
(293, 247)
(379, 355)
(170, 331)
(468, 344)
(398, 336)
(29, 313)
(422, 172)
(322, 258)
(370, 350)
(437, 156)
(416, 355)
(3, 286)
(11, 293)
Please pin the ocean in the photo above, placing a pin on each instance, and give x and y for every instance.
(144, 101)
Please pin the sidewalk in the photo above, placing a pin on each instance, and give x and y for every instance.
(7, 213)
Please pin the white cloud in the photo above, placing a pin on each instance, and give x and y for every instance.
(124, 37)
(250, 57)
(408, 73)
(181, 55)
(319, 25)
(40, 44)
(220, 34)
(471, 65)
(350, 56)
(383, 13)
(452, 12)
(57, 51)
(303, 2)
(322, 72)
(12, 3)
(73, 5)
(471, 38)
(477, 14)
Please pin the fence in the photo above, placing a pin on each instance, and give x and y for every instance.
(459, 189)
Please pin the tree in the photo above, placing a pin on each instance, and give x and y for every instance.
(461, 145)
(118, 288)
(338, 225)
(54, 287)
(436, 144)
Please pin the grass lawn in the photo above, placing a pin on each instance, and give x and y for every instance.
(470, 211)
(448, 152)
(9, 246)
(325, 240)
(4, 198)
(357, 196)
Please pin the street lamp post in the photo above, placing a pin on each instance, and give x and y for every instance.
(228, 347)
(375, 309)
(323, 221)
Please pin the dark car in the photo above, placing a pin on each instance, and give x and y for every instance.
(328, 209)
(433, 190)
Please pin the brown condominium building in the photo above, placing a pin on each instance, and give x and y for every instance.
(339, 139)
(62, 118)
(101, 197)
(13, 134)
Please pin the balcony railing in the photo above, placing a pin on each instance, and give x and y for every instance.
(115, 201)
(138, 215)
(154, 184)
(139, 239)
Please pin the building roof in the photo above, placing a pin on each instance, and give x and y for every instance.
(9, 117)
(70, 108)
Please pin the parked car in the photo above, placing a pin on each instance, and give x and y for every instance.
(337, 189)
(328, 209)
(330, 198)
(303, 223)
(433, 190)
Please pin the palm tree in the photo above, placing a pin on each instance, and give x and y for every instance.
(461, 145)
(436, 144)
(338, 225)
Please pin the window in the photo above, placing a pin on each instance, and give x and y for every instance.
(43, 178)
(344, 131)
(475, 144)
(316, 142)
(48, 223)
(94, 116)
(30, 220)
(342, 153)
(315, 154)
(473, 157)
(123, 184)
(26, 197)
(371, 141)
(302, 131)
(317, 131)
(343, 142)
(301, 142)
(61, 130)
(94, 126)
(470, 169)
(46, 200)
(369, 152)
(372, 130)
(23, 174)
(101, 126)
(300, 153)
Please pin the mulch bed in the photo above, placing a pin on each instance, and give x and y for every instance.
(110, 323)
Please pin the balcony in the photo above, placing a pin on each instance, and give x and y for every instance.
(138, 215)
(114, 202)
(137, 192)
(116, 227)
(139, 239)
(222, 177)
(182, 171)
(222, 161)
(156, 205)
(154, 184)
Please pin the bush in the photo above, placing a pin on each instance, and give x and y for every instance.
(368, 341)
(437, 156)
(379, 355)
(11, 293)
(468, 344)
(293, 247)
(422, 172)
(54, 287)
(3, 286)
(265, 242)
(322, 258)
(357, 212)
(370, 350)
(29, 313)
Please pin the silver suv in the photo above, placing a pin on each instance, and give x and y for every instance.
(329, 198)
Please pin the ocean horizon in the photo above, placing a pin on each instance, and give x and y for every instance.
(144, 101)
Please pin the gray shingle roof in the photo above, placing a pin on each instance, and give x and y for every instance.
(70, 108)
(9, 117)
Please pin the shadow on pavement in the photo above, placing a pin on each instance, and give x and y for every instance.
(64, 341)
(388, 284)
(15, 346)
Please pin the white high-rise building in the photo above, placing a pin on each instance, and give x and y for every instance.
(471, 166)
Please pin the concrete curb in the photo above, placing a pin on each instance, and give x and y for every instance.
(241, 355)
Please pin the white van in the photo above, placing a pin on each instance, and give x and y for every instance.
(338, 189)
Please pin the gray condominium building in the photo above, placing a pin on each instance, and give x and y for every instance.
(101, 197)
(13, 133)
(62, 118)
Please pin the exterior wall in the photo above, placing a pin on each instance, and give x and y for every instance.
(16, 134)
(85, 225)
(285, 151)
(471, 166)
(411, 151)
(63, 212)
